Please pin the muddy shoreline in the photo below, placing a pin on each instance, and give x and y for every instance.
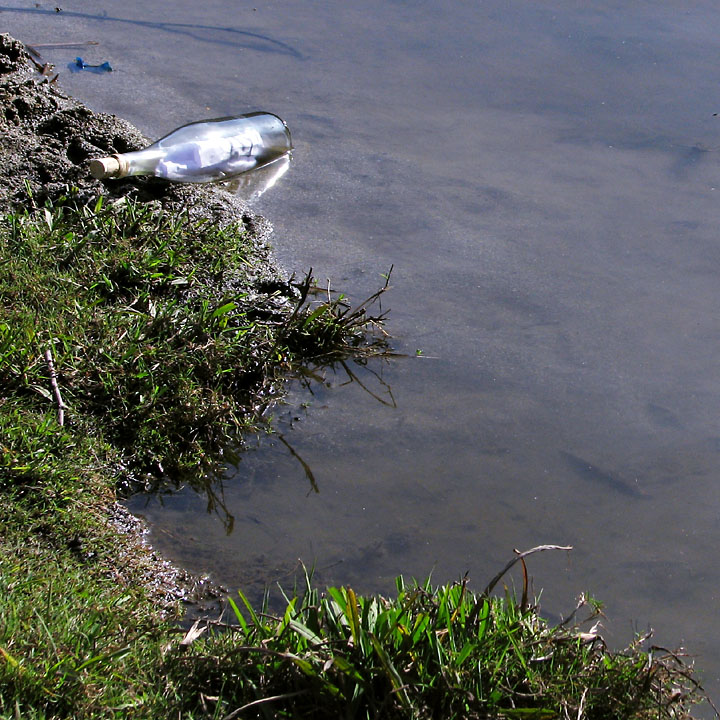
(49, 139)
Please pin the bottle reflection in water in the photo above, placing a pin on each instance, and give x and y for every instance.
(251, 186)
(207, 151)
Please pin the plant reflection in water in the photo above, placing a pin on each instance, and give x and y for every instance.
(365, 373)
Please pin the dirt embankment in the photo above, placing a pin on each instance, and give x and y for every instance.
(49, 138)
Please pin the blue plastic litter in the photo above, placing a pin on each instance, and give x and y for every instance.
(80, 64)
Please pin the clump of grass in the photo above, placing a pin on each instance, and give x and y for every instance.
(81, 645)
(152, 329)
(428, 652)
(323, 331)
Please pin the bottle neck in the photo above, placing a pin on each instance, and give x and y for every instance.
(139, 162)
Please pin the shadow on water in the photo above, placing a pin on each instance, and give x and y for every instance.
(236, 38)
(589, 472)
(306, 468)
(317, 376)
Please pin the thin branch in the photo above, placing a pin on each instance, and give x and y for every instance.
(54, 385)
(520, 555)
(582, 704)
(237, 712)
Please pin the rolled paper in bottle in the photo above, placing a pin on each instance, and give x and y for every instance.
(225, 156)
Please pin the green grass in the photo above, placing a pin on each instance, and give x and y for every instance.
(134, 344)
(427, 652)
(163, 340)
(81, 647)
(71, 644)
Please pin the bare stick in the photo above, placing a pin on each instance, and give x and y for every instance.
(520, 556)
(254, 703)
(54, 385)
(32, 49)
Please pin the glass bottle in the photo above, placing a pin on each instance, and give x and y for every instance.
(206, 151)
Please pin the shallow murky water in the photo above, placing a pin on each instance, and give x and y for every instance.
(544, 178)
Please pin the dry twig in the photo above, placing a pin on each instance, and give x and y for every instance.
(54, 385)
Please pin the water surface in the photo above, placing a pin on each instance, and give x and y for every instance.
(543, 177)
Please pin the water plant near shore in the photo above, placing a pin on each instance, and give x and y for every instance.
(428, 652)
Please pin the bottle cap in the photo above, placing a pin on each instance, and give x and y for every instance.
(106, 167)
